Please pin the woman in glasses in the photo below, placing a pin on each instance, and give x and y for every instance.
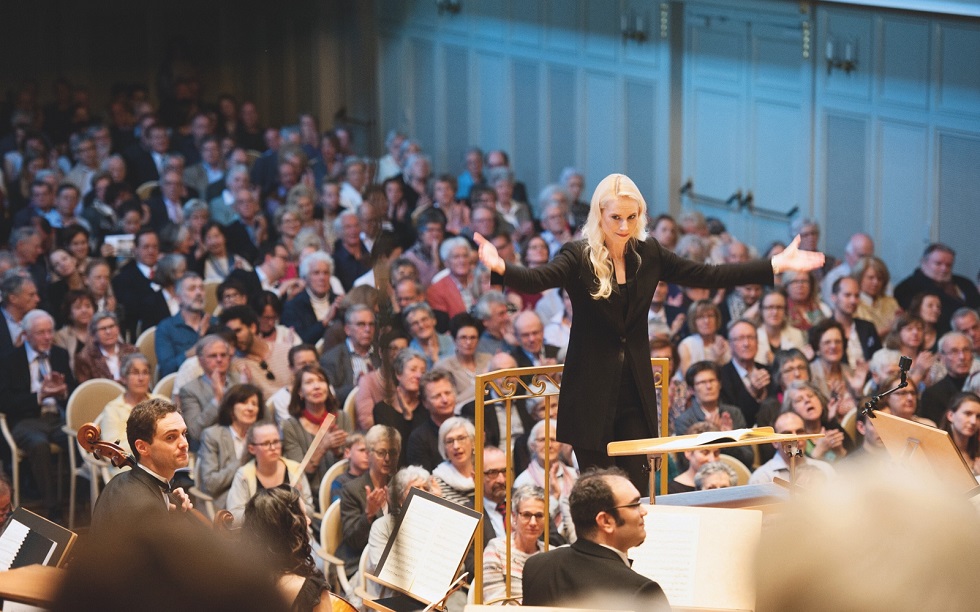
(528, 522)
(222, 449)
(104, 352)
(457, 439)
(267, 469)
(312, 401)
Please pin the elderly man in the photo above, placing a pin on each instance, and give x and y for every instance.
(608, 518)
(312, 311)
(967, 322)
(532, 351)
(554, 220)
(157, 434)
(494, 492)
(35, 383)
(421, 322)
(409, 291)
(788, 423)
(351, 257)
(168, 207)
(860, 245)
(439, 398)
(346, 363)
(177, 335)
(18, 296)
(221, 206)
(207, 177)
(492, 310)
(935, 275)
(744, 382)
(956, 355)
(201, 397)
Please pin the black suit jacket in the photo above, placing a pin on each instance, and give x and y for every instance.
(490, 426)
(128, 497)
(869, 337)
(6, 342)
(733, 392)
(523, 361)
(140, 302)
(239, 241)
(158, 212)
(610, 334)
(19, 402)
(298, 314)
(140, 167)
(337, 364)
(586, 569)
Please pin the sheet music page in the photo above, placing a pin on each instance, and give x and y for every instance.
(431, 542)
(670, 553)
(10, 543)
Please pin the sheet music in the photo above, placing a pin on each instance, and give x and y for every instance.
(670, 555)
(431, 541)
(10, 543)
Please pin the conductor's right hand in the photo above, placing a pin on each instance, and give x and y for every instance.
(488, 254)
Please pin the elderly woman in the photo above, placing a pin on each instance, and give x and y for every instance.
(528, 522)
(267, 469)
(222, 449)
(312, 311)
(467, 362)
(905, 402)
(715, 475)
(830, 372)
(775, 333)
(398, 409)
(421, 323)
(453, 293)
(379, 385)
(196, 216)
(312, 400)
(288, 226)
(136, 377)
(872, 276)
(805, 399)
(562, 478)
(704, 343)
(77, 308)
(962, 421)
(276, 527)
(804, 308)
(103, 354)
(363, 500)
(457, 439)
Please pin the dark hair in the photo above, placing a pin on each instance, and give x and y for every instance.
(698, 367)
(266, 298)
(781, 358)
(463, 319)
(299, 348)
(214, 224)
(275, 525)
(231, 283)
(238, 394)
(916, 304)
(142, 421)
(143, 231)
(73, 296)
(822, 327)
(954, 403)
(296, 404)
(590, 496)
(893, 340)
(245, 314)
(429, 216)
(68, 234)
(937, 246)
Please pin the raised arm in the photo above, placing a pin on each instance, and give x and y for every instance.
(552, 274)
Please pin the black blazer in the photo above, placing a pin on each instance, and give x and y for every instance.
(158, 212)
(586, 569)
(610, 334)
(19, 402)
(6, 342)
(129, 497)
(139, 300)
(523, 361)
(298, 314)
(733, 392)
(869, 337)
(490, 426)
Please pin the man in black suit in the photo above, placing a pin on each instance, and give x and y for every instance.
(608, 519)
(935, 275)
(157, 434)
(168, 206)
(530, 335)
(347, 362)
(744, 383)
(133, 285)
(145, 161)
(18, 296)
(35, 382)
(862, 337)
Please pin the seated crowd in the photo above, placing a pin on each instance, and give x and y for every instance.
(284, 277)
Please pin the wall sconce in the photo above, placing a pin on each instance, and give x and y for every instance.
(841, 55)
(448, 6)
(633, 27)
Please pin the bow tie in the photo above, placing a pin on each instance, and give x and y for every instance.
(164, 486)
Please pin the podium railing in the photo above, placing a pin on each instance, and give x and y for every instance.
(537, 384)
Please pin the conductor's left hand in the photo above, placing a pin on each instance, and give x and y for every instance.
(794, 260)
(488, 254)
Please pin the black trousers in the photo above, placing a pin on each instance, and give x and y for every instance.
(630, 424)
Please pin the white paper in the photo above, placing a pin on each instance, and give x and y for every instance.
(432, 540)
(670, 555)
(10, 543)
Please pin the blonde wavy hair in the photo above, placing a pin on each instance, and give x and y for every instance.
(609, 190)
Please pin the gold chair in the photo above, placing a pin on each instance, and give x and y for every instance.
(333, 472)
(350, 407)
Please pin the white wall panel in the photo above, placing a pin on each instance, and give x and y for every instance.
(527, 119)
(423, 88)
(959, 184)
(715, 143)
(525, 23)
(456, 105)
(604, 125)
(904, 74)
(903, 180)
(562, 116)
(641, 155)
(958, 86)
(495, 102)
(562, 25)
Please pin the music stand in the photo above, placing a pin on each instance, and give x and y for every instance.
(926, 448)
(425, 553)
(35, 540)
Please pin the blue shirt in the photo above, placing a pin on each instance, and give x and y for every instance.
(173, 338)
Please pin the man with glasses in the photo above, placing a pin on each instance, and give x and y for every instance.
(745, 383)
(494, 492)
(956, 354)
(608, 517)
(705, 378)
(778, 466)
(347, 362)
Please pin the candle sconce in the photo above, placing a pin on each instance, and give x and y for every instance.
(451, 7)
(841, 54)
(633, 27)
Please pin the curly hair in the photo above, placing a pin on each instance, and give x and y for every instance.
(275, 524)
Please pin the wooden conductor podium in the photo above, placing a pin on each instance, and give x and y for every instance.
(425, 553)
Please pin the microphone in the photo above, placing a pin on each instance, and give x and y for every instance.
(903, 366)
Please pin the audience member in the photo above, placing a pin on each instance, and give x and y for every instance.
(455, 475)
(421, 322)
(694, 460)
(312, 311)
(875, 304)
(346, 364)
(528, 521)
(779, 465)
(745, 383)
(715, 475)
(201, 397)
(402, 398)
(956, 354)
(136, 378)
(962, 421)
(104, 353)
(703, 377)
(439, 399)
(704, 342)
(265, 364)
(935, 275)
(222, 449)
(176, 336)
(808, 403)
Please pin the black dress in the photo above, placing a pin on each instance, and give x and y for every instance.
(385, 414)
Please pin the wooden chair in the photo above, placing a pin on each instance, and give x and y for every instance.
(741, 470)
(333, 472)
(84, 405)
(143, 191)
(331, 535)
(350, 406)
(146, 343)
(211, 296)
(165, 386)
(849, 423)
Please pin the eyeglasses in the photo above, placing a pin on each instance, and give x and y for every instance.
(364, 324)
(106, 327)
(774, 308)
(494, 472)
(797, 368)
(457, 440)
(706, 383)
(527, 516)
(635, 504)
(269, 444)
(265, 368)
(383, 453)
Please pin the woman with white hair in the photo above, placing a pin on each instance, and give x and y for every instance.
(610, 277)
(457, 439)
(562, 477)
(453, 293)
(528, 522)
(312, 311)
